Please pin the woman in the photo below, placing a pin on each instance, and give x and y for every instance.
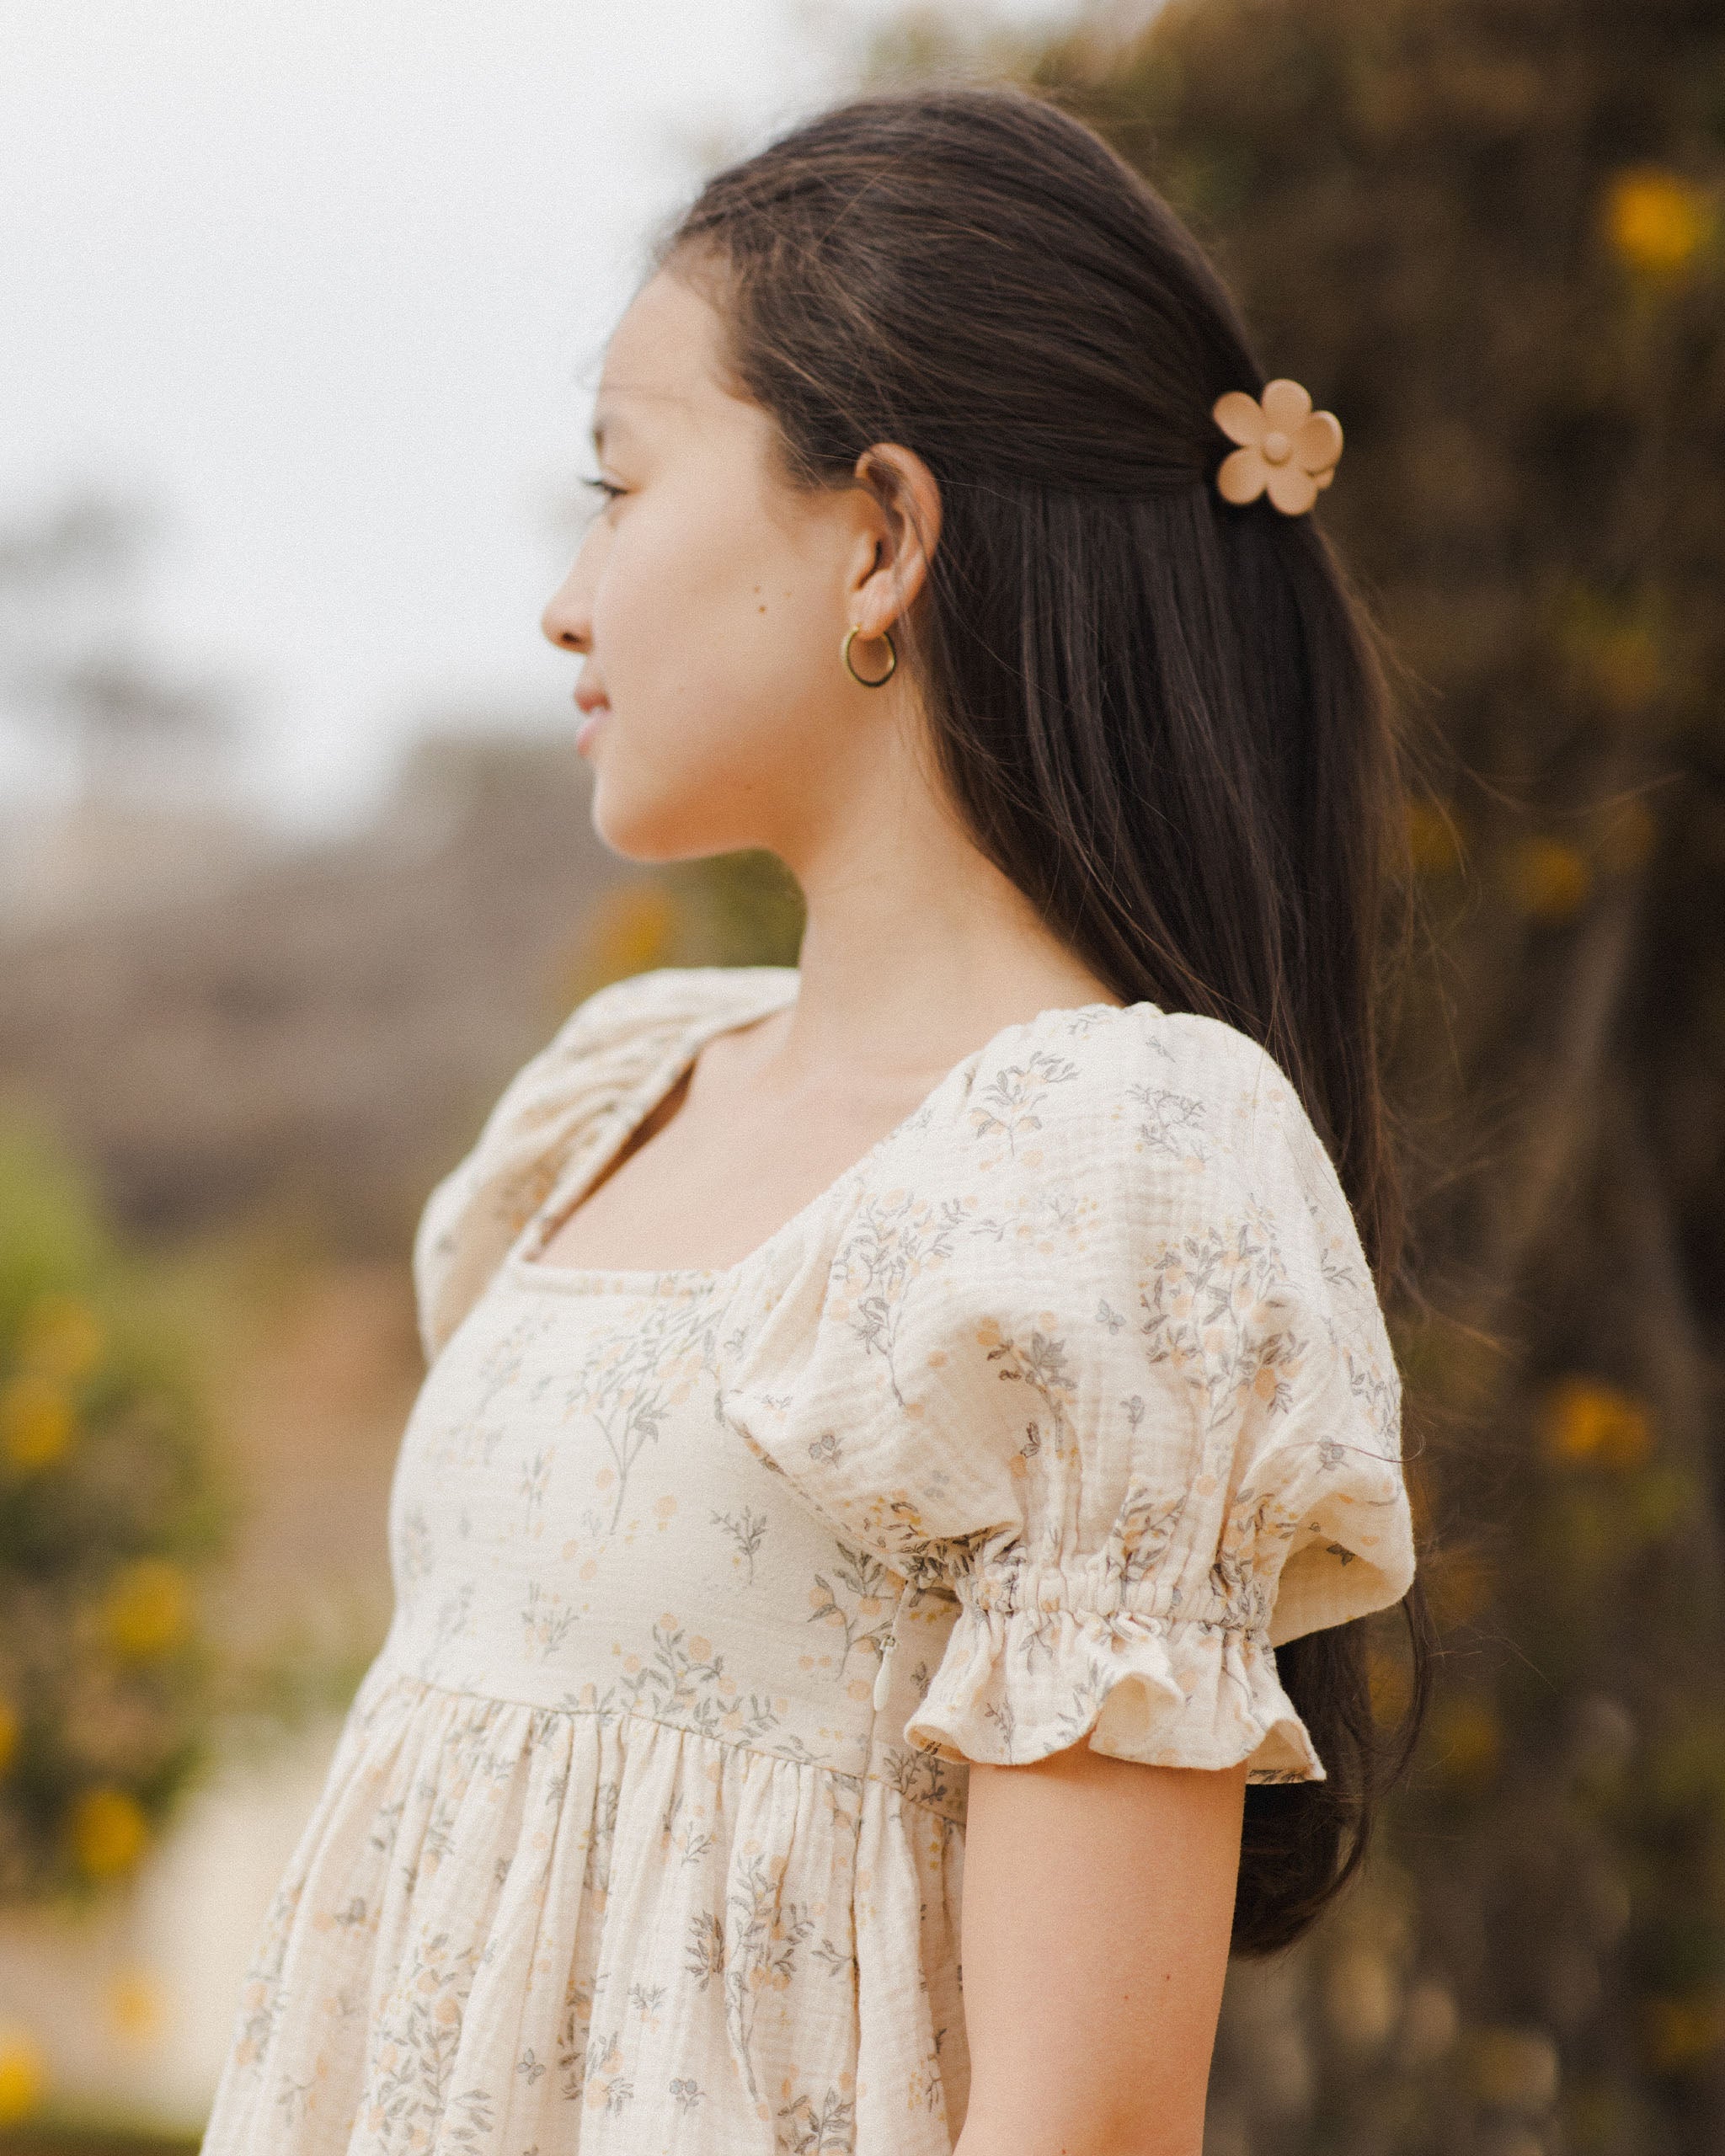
(885, 1415)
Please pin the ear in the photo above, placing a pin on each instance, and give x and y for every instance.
(903, 528)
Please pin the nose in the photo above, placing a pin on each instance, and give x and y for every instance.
(566, 621)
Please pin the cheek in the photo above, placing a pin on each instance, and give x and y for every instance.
(706, 624)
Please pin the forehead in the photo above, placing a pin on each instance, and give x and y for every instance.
(660, 363)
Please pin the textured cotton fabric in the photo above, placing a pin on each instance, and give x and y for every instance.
(1054, 1416)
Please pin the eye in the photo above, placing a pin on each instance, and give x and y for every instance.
(605, 488)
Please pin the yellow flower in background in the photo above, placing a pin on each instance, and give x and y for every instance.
(61, 1338)
(1432, 837)
(1548, 878)
(23, 2074)
(626, 932)
(148, 1608)
(1655, 219)
(1683, 2032)
(36, 1421)
(1585, 1420)
(631, 929)
(8, 1733)
(109, 1830)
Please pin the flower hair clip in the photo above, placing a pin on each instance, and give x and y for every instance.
(1286, 449)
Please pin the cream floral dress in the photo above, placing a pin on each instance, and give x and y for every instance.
(645, 1830)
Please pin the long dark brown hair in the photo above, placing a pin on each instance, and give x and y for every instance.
(1164, 718)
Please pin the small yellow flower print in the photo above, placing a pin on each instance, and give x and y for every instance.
(1433, 841)
(1548, 879)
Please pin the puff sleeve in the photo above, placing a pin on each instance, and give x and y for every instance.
(1099, 1352)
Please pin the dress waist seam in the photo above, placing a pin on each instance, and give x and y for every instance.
(401, 1675)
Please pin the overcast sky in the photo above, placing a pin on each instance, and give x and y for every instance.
(326, 283)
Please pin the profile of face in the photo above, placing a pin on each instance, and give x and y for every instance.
(709, 599)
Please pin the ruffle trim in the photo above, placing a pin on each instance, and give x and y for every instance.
(1015, 1684)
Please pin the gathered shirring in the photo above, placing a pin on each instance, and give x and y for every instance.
(1092, 1590)
(1033, 1666)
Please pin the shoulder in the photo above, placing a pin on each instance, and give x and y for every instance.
(1135, 1114)
(1108, 1152)
(1108, 1272)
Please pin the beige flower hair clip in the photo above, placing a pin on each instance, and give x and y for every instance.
(1286, 449)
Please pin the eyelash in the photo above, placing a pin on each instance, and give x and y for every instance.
(605, 488)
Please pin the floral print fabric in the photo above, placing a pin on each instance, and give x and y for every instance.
(1053, 1417)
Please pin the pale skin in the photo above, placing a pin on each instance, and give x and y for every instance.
(709, 601)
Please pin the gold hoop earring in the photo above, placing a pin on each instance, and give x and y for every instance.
(861, 681)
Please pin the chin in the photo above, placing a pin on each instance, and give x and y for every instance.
(651, 831)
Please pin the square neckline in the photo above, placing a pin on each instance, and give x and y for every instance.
(572, 1189)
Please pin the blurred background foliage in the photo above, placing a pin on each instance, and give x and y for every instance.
(1488, 234)
(110, 1505)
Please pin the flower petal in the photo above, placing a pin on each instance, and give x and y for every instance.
(1240, 417)
(1292, 490)
(1318, 443)
(1241, 477)
(1285, 404)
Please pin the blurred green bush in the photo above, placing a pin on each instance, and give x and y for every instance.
(112, 1504)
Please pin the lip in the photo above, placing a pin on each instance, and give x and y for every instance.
(586, 731)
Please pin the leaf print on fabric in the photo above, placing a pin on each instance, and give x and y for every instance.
(634, 1381)
(690, 1841)
(922, 1777)
(705, 1951)
(890, 1243)
(260, 1988)
(413, 2043)
(1008, 1106)
(1174, 1123)
(545, 1621)
(1198, 1320)
(748, 1534)
(573, 2041)
(827, 2128)
(647, 1999)
(605, 2087)
(762, 1931)
(536, 1476)
(858, 1611)
(685, 1682)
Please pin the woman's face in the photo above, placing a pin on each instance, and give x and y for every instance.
(710, 600)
